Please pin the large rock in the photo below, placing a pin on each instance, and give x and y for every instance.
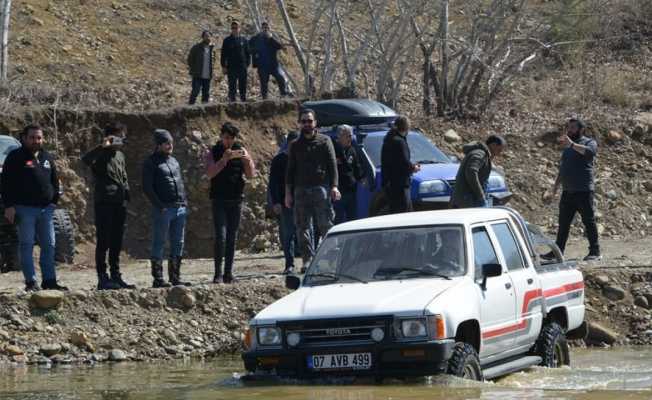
(117, 355)
(450, 136)
(47, 299)
(50, 349)
(642, 302)
(82, 340)
(614, 293)
(12, 350)
(599, 334)
(181, 296)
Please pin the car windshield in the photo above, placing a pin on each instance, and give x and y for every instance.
(421, 150)
(389, 254)
(7, 144)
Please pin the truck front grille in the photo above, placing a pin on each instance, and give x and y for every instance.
(354, 331)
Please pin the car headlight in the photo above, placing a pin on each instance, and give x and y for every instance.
(436, 186)
(496, 182)
(411, 328)
(269, 336)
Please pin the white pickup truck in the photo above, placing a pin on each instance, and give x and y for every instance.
(461, 292)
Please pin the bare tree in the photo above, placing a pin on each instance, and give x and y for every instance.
(4, 38)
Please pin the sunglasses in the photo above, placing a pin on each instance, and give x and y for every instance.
(307, 121)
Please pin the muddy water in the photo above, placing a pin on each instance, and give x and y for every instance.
(623, 374)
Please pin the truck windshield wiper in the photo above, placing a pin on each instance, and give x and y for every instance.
(336, 277)
(398, 270)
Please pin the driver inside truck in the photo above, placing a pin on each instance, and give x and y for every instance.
(446, 251)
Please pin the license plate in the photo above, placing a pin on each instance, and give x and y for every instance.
(339, 361)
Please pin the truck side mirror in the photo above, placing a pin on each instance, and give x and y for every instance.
(488, 271)
(292, 282)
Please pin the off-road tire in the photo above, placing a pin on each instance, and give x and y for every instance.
(465, 363)
(552, 346)
(64, 233)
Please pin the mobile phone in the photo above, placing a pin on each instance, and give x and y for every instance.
(238, 153)
(117, 141)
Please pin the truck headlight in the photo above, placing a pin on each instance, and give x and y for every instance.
(496, 182)
(269, 336)
(436, 186)
(411, 328)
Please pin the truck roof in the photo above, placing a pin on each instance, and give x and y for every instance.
(440, 217)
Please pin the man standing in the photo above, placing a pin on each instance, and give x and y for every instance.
(111, 196)
(200, 66)
(235, 60)
(349, 173)
(396, 167)
(473, 174)
(163, 186)
(311, 182)
(30, 191)
(576, 178)
(264, 48)
(286, 226)
(227, 163)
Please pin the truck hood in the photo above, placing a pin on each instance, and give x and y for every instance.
(430, 172)
(406, 297)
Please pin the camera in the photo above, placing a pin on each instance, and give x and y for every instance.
(117, 141)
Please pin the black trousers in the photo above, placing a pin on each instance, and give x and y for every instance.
(264, 75)
(570, 204)
(237, 77)
(109, 226)
(226, 219)
(399, 199)
(204, 85)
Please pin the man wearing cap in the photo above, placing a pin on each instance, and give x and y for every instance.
(235, 60)
(473, 173)
(576, 178)
(349, 172)
(109, 167)
(163, 186)
(200, 66)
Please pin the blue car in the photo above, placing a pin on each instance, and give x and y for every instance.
(431, 187)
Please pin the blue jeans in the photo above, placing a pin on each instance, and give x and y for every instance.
(288, 234)
(33, 222)
(345, 208)
(169, 223)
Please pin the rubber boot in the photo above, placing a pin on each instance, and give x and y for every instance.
(105, 283)
(157, 274)
(116, 277)
(174, 270)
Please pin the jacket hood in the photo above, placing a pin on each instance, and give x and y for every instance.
(469, 147)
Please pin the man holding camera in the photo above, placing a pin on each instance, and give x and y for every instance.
(109, 168)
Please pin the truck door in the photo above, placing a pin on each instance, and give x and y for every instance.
(497, 300)
(526, 285)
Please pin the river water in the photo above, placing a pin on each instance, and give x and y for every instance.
(622, 374)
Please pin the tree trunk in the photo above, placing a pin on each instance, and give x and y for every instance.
(308, 81)
(4, 39)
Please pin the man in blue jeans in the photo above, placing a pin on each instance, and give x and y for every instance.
(163, 186)
(30, 191)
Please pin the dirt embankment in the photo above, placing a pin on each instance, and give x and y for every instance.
(71, 133)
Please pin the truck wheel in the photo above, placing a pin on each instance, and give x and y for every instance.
(552, 346)
(8, 248)
(64, 233)
(464, 363)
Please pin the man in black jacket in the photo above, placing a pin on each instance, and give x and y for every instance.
(311, 183)
(264, 48)
(473, 173)
(349, 172)
(109, 168)
(163, 186)
(396, 167)
(30, 191)
(235, 60)
(286, 227)
(227, 165)
(200, 66)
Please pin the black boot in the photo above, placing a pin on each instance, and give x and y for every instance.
(228, 276)
(217, 277)
(116, 277)
(174, 270)
(105, 283)
(157, 274)
(51, 284)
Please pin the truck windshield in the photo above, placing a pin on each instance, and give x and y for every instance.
(391, 254)
(421, 150)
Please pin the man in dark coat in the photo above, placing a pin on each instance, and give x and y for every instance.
(235, 60)
(349, 172)
(473, 174)
(30, 192)
(109, 168)
(396, 167)
(200, 66)
(576, 177)
(264, 48)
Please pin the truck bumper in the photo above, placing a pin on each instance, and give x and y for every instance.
(388, 360)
